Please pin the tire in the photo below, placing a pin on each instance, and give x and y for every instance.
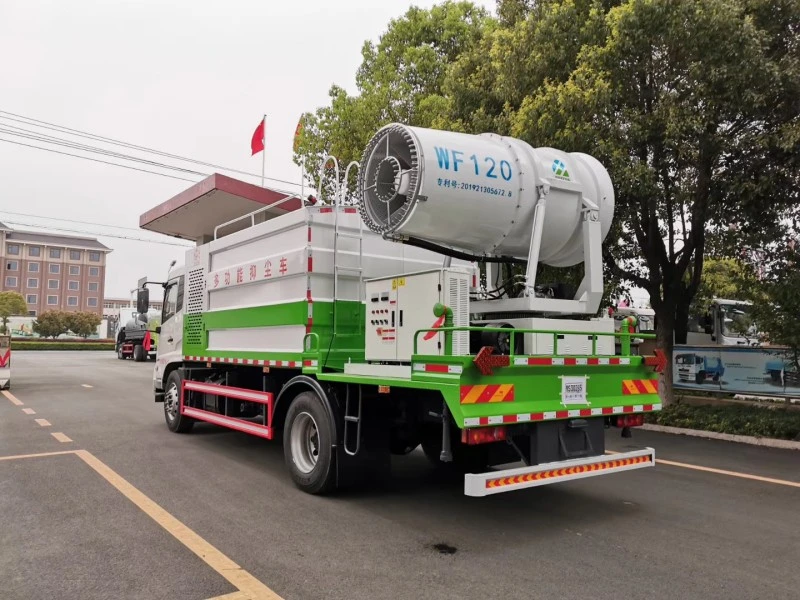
(176, 422)
(700, 377)
(139, 355)
(307, 445)
(715, 379)
(120, 353)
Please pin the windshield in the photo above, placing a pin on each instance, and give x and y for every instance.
(737, 321)
(684, 359)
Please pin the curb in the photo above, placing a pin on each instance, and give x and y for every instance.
(727, 437)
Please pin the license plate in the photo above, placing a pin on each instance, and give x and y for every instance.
(573, 390)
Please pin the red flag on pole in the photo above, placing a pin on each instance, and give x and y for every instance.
(257, 143)
(297, 132)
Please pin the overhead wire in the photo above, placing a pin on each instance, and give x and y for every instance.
(109, 235)
(85, 134)
(19, 214)
(97, 160)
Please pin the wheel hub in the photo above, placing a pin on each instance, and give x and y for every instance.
(171, 402)
(305, 442)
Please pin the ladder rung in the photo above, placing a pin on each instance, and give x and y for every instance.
(351, 419)
(352, 269)
(355, 236)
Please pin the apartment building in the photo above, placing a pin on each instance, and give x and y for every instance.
(53, 271)
(113, 307)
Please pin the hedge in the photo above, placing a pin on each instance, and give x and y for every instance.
(777, 423)
(63, 345)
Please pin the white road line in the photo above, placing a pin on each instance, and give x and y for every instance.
(29, 411)
(61, 437)
(43, 422)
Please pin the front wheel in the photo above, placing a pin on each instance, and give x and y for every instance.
(120, 353)
(172, 405)
(700, 377)
(307, 444)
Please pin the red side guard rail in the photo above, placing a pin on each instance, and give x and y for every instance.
(264, 431)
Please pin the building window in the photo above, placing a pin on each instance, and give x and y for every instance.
(55, 252)
(72, 301)
(32, 299)
(55, 269)
(74, 270)
(34, 251)
(91, 302)
(31, 313)
(74, 254)
(52, 300)
(94, 257)
(74, 286)
(33, 267)
(13, 249)
(33, 283)
(11, 282)
(94, 271)
(12, 265)
(52, 284)
(93, 286)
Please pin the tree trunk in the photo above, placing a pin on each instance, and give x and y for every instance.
(681, 321)
(665, 332)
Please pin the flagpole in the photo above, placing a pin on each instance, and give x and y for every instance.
(264, 149)
(303, 178)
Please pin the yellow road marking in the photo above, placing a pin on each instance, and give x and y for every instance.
(730, 473)
(61, 437)
(232, 596)
(251, 587)
(43, 422)
(673, 463)
(11, 397)
(40, 454)
(29, 411)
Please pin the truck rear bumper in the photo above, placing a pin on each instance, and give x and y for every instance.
(508, 480)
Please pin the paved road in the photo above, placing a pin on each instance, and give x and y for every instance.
(668, 532)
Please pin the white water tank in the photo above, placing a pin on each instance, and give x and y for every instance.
(477, 193)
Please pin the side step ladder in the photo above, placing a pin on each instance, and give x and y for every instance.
(351, 419)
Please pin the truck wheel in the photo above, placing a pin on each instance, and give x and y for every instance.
(307, 445)
(139, 354)
(120, 353)
(172, 406)
(700, 377)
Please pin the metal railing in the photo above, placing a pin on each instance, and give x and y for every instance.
(252, 215)
(625, 338)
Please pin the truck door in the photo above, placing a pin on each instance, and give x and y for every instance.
(170, 341)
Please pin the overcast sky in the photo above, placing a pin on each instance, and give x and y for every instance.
(192, 78)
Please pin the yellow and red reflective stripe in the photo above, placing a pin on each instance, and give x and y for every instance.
(479, 394)
(565, 472)
(635, 387)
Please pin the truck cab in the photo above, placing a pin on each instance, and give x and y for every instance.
(171, 329)
(727, 323)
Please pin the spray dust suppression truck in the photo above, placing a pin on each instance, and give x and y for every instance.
(359, 329)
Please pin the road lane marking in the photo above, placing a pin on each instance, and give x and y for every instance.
(43, 422)
(251, 587)
(232, 596)
(61, 437)
(86, 385)
(672, 463)
(761, 478)
(38, 455)
(11, 397)
(29, 411)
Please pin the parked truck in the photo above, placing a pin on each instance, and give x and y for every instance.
(361, 330)
(138, 339)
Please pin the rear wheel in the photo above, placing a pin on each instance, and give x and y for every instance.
(307, 444)
(172, 405)
(120, 353)
(139, 355)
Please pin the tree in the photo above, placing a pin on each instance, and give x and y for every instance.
(52, 324)
(722, 278)
(11, 303)
(691, 105)
(399, 80)
(83, 324)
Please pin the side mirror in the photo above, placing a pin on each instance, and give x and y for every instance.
(158, 328)
(142, 300)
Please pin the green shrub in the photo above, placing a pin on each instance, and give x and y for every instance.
(778, 423)
(65, 345)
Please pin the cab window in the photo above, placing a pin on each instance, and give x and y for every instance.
(173, 299)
